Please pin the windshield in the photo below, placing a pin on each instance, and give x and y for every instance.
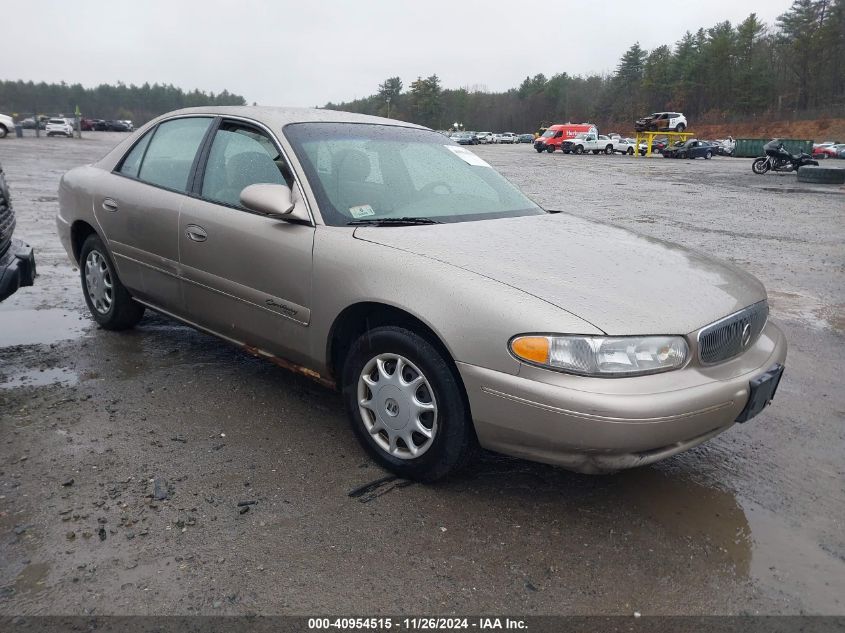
(372, 172)
(548, 133)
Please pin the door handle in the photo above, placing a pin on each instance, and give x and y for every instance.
(110, 205)
(196, 233)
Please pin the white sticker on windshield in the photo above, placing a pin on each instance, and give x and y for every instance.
(467, 156)
(361, 211)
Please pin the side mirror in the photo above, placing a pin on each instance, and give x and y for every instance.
(271, 200)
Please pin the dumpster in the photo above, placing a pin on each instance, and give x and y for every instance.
(753, 147)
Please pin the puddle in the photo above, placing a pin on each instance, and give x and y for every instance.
(774, 553)
(40, 378)
(32, 578)
(40, 327)
(837, 190)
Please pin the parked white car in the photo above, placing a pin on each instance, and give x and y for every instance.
(624, 145)
(59, 126)
(486, 138)
(7, 124)
(507, 137)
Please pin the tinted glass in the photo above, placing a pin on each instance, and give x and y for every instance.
(132, 161)
(239, 157)
(171, 152)
(361, 172)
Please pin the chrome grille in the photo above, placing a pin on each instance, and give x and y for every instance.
(732, 335)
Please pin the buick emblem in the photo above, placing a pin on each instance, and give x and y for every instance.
(391, 407)
(746, 335)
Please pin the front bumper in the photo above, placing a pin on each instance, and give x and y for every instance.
(17, 268)
(595, 425)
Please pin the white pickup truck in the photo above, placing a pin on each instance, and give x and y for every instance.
(587, 142)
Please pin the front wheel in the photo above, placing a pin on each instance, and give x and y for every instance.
(539, 150)
(680, 127)
(579, 149)
(550, 149)
(109, 302)
(406, 405)
(708, 155)
(760, 166)
(3, 131)
(630, 151)
(608, 150)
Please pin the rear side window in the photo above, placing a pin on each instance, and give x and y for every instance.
(132, 162)
(171, 152)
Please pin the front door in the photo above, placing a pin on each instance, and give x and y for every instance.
(139, 207)
(245, 276)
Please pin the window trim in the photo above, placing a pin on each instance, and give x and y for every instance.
(201, 158)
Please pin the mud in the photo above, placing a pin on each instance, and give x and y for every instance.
(124, 457)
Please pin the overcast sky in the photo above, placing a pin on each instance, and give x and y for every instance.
(309, 52)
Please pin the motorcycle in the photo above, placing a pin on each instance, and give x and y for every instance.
(778, 159)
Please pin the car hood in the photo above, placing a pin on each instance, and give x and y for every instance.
(621, 282)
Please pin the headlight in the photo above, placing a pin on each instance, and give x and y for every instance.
(602, 355)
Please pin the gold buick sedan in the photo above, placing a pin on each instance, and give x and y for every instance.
(384, 260)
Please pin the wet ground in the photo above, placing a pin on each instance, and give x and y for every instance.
(163, 471)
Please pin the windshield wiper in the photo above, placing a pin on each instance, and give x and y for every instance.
(406, 221)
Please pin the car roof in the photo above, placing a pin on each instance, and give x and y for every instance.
(277, 117)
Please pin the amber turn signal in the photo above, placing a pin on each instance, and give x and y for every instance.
(534, 349)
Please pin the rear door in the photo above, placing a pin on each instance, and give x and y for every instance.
(138, 209)
(245, 276)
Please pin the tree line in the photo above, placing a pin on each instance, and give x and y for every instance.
(751, 69)
(137, 103)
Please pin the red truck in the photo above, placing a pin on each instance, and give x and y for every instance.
(557, 134)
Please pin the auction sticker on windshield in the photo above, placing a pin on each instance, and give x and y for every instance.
(361, 211)
(467, 156)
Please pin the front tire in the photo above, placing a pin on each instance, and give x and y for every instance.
(3, 131)
(630, 151)
(406, 405)
(680, 127)
(550, 149)
(579, 149)
(760, 166)
(111, 305)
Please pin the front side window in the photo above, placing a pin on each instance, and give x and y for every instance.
(372, 172)
(241, 156)
(171, 152)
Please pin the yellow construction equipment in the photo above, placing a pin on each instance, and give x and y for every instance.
(648, 137)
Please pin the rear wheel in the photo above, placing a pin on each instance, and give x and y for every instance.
(539, 150)
(550, 148)
(680, 127)
(3, 131)
(406, 405)
(630, 151)
(110, 303)
(708, 155)
(579, 149)
(608, 150)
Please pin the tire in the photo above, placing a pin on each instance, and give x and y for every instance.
(630, 151)
(3, 131)
(680, 127)
(708, 155)
(682, 155)
(453, 444)
(120, 311)
(821, 175)
(550, 148)
(608, 150)
(760, 165)
(579, 149)
(539, 150)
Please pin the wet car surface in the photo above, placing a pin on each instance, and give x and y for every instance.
(155, 437)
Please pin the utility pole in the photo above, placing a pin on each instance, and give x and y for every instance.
(388, 106)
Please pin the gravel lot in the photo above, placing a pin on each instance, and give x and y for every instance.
(125, 456)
